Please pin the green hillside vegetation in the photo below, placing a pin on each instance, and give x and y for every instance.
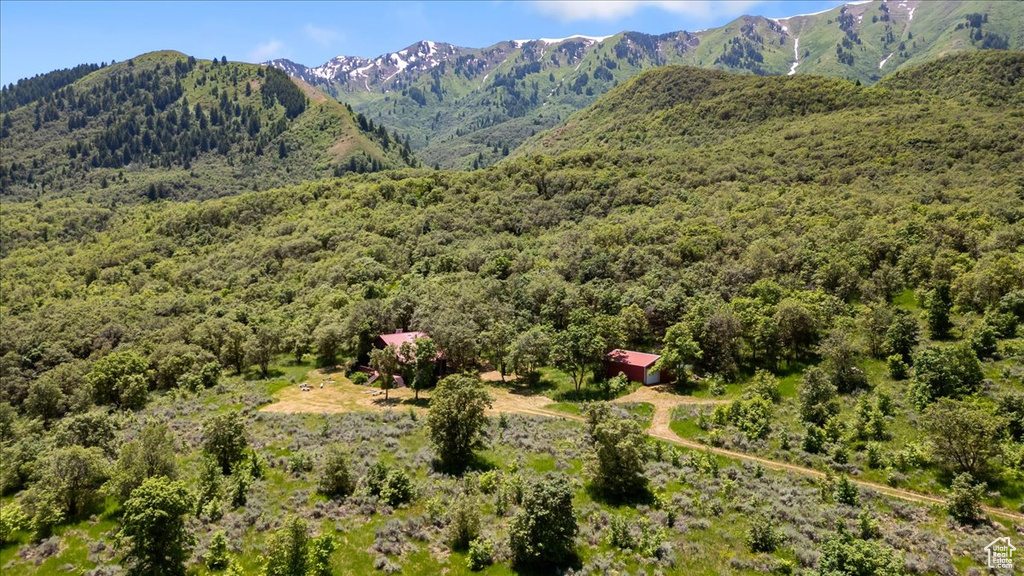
(842, 264)
(473, 106)
(166, 125)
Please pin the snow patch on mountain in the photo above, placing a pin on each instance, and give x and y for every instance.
(589, 39)
(884, 60)
(796, 57)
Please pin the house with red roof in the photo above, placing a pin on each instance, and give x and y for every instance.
(637, 366)
(398, 338)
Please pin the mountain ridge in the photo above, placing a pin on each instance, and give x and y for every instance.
(463, 107)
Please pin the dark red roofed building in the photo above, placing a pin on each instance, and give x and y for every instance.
(401, 337)
(637, 366)
(398, 338)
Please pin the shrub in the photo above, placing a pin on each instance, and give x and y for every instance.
(846, 492)
(359, 378)
(868, 526)
(814, 440)
(224, 438)
(620, 450)
(762, 535)
(898, 369)
(391, 485)
(489, 481)
(334, 479)
(875, 458)
(964, 502)
(620, 533)
(544, 529)
(217, 557)
(256, 465)
(300, 462)
(12, 519)
(843, 554)
(766, 386)
(320, 550)
(287, 550)
(984, 341)
(481, 554)
(240, 482)
(463, 524)
(208, 484)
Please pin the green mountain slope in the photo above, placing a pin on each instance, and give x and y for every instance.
(464, 107)
(681, 107)
(166, 125)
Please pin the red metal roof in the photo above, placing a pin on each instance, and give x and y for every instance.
(631, 358)
(399, 338)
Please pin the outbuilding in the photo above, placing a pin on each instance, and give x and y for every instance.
(637, 366)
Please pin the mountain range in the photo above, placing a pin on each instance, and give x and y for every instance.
(466, 107)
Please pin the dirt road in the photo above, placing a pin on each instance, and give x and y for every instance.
(338, 394)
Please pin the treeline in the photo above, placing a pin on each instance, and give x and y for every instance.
(379, 134)
(278, 88)
(31, 89)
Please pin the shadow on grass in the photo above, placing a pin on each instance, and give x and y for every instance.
(540, 568)
(524, 386)
(257, 374)
(632, 499)
(395, 402)
(477, 463)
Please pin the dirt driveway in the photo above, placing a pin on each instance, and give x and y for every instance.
(339, 394)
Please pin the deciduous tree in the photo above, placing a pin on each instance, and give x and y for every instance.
(456, 419)
(153, 535)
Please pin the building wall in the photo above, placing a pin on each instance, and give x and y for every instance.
(634, 373)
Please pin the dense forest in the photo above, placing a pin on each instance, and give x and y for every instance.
(833, 272)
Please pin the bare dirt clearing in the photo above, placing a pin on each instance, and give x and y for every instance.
(339, 394)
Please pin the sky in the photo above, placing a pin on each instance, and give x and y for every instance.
(37, 37)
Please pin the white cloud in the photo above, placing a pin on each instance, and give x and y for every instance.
(570, 10)
(266, 50)
(322, 36)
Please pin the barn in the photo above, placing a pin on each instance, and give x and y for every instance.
(637, 366)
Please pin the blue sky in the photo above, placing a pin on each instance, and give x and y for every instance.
(37, 37)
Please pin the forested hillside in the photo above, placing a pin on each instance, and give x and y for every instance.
(467, 107)
(833, 271)
(164, 125)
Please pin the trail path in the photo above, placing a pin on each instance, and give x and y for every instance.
(340, 395)
(660, 429)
